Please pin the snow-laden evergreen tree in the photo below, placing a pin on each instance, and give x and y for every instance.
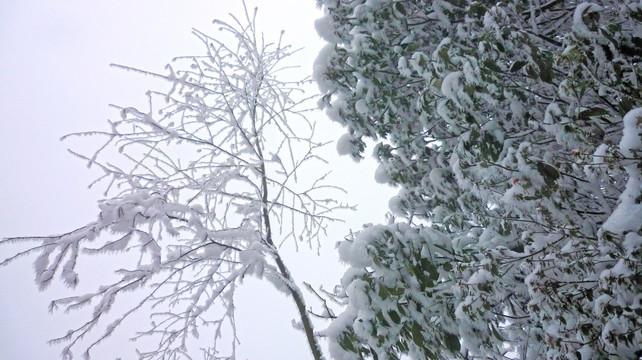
(204, 185)
(513, 132)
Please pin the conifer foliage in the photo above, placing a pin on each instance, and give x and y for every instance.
(513, 131)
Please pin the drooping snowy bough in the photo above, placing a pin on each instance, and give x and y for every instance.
(513, 132)
(205, 185)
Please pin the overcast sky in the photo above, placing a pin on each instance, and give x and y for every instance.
(55, 80)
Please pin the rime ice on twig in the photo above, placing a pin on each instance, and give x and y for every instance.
(203, 177)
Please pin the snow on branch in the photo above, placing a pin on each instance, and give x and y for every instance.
(201, 187)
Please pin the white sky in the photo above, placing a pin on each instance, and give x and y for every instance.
(55, 79)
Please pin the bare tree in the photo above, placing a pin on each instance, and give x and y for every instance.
(208, 183)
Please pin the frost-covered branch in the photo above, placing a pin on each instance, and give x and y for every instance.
(202, 183)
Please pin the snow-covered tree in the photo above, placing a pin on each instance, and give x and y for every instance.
(204, 185)
(513, 131)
